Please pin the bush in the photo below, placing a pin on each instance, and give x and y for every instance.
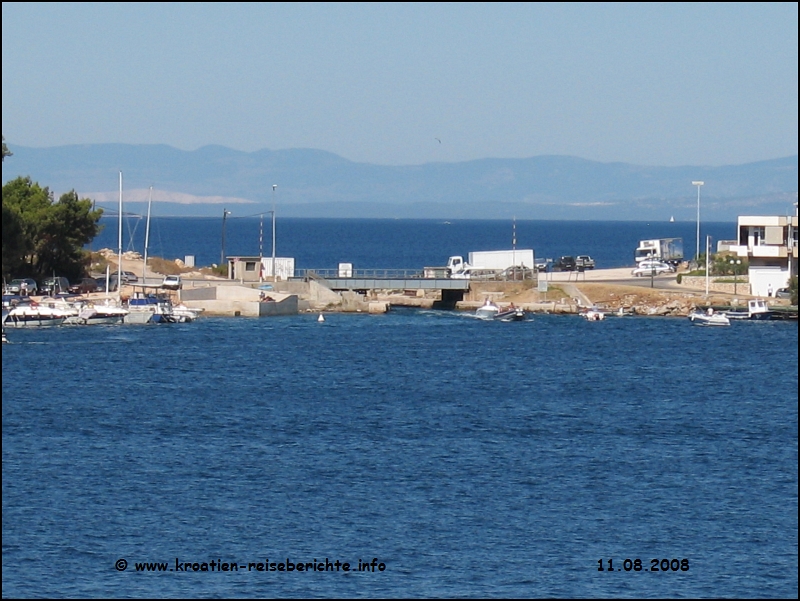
(679, 278)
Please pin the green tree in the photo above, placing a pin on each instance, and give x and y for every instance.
(6, 151)
(45, 237)
(793, 289)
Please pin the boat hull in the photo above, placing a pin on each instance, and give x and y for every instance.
(702, 319)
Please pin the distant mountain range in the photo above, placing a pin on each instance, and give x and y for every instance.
(315, 183)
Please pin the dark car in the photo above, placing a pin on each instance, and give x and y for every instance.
(564, 264)
(85, 286)
(55, 285)
(112, 283)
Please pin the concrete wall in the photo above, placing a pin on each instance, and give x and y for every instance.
(698, 282)
(239, 300)
(287, 306)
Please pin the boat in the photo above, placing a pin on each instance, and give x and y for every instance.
(150, 308)
(709, 318)
(32, 314)
(512, 313)
(89, 313)
(756, 309)
(593, 314)
(184, 314)
(488, 311)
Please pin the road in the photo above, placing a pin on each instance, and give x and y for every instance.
(620, 276)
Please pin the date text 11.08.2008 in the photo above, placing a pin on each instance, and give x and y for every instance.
(635, 565)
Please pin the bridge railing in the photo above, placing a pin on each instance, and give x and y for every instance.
(406, 274)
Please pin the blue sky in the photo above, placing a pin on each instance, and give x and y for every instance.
(651, 84)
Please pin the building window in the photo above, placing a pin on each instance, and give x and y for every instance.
(757, 233)
(250, 266)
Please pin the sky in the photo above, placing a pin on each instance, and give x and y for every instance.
(404, 84)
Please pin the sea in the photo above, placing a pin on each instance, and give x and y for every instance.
(431, 453)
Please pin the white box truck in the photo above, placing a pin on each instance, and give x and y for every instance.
(667, 250)
(492, 261)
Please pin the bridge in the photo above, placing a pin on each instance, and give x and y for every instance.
(388, 279)
(381, 279)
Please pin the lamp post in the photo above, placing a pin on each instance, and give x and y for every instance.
(225, 213)
(735, 267)
(697, 247)
(274, 276)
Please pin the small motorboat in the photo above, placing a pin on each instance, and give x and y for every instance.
(709, 318)
(511, 314)
(593, 314)
(488, 311)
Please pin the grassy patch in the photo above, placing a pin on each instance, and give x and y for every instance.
(165, 266)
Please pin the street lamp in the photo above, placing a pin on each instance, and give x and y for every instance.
(735, 267)
(652, 258)
(225, 213)
(697, 247)
(274, 277)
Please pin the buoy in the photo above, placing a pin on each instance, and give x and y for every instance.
(320, 318)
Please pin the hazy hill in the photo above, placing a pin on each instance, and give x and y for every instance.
(315, 183)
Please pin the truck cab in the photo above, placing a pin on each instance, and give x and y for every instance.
(456, 265)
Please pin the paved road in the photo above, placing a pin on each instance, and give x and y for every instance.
(620, 276)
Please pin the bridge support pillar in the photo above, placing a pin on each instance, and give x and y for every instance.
(449, 299)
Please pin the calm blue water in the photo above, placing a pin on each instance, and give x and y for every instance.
(473, 459)
(396, 244)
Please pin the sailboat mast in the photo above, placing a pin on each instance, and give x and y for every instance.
(147, 237)
(119, 249)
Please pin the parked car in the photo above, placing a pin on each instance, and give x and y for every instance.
(584, 261)
(22, 286)
(55, 285)
(783, 293)
(112, 283)
(517, 273)
(172, 282)
(564, 264)
(541, 264)
(651, 268)
(85, 286)
(129, 277)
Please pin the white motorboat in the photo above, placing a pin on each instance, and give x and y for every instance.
(35, 315)
(149, 308)
(93, 314)
(184, 314)
(593, 314)
(709, 318)
(488, 311)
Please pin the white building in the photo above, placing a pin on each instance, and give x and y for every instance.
(769, 243)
